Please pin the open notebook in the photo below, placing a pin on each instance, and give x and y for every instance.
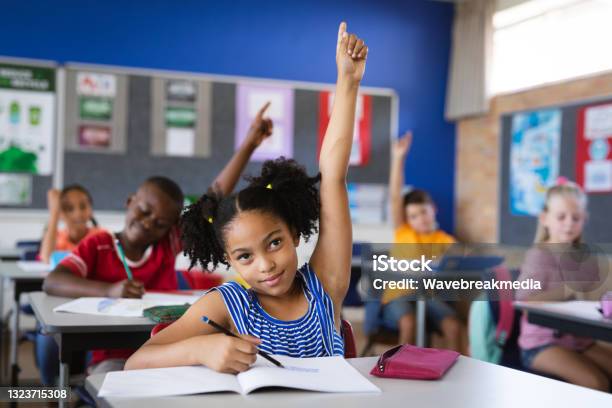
(324, 374)
(121, 306)
(34, 266)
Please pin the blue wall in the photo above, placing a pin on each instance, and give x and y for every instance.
(409, 44)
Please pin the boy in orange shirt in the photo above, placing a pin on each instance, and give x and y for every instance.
(414, 221)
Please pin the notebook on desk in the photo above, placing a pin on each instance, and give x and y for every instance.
(123, 307)
(34, 266)
(323, 374)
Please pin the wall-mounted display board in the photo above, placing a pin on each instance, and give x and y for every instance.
(119, 126)
(569, 141)
(28, 100)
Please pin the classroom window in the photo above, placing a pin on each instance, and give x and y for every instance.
(543, 41)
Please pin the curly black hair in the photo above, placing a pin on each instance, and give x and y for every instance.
(283, 189)
(168, 187)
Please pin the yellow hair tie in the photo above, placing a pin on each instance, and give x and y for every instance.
(269, 186)
(210, 220)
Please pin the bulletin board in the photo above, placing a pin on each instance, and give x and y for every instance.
(520, 229)
(28, 129)
(154, 119)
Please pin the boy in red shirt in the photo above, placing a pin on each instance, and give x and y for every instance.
(150, 241)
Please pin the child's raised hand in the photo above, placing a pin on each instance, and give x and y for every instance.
(227, 354)
(351, 54)
(401, 146)
(261, 127)
(53, 201)
(126, 289)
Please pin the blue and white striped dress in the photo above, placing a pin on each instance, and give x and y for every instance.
(312, 335)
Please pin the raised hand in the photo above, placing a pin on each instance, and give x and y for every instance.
(53, 201)
(261, 127)
(351, 54)
(401, 146)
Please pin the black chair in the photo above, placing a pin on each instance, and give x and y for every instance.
(29, 248)
(373, 327)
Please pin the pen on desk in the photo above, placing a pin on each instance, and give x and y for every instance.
(128, 272)
(222, 329)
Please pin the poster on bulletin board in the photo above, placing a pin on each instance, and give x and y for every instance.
(181, 117)
(250, 98)
(362, 131)
(593, 148)
(27, 118)
(534, 159)
(96, 110)
(15, 189)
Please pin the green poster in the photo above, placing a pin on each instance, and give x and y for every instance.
(17, 160)
(27, 78)
(95, 108)
(180, 117)
(27, 118)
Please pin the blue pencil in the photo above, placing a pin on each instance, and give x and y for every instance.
(128, 272)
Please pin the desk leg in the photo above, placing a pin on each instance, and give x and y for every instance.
(64, 380)
(65, 359)
(2, 332)
(2, 301)
(14, 344)
(420, 323)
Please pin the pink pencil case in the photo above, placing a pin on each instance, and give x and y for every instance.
(606, 305)
(411, 362)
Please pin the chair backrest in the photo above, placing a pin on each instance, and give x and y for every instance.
(200, 280)
(371, 296)
(28, 244)
(350, 349)
(29, 249)
(159, 327)
(353, 296)
(494, 325)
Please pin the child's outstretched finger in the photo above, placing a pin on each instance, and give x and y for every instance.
(343, 44)
(263, 109)
(352, 39)
(405, 139)
(341, 31)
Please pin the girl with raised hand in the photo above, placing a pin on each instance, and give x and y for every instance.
(288, 310)
(73, 205)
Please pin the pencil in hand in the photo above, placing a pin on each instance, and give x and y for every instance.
(223, 330)
(128, 272)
